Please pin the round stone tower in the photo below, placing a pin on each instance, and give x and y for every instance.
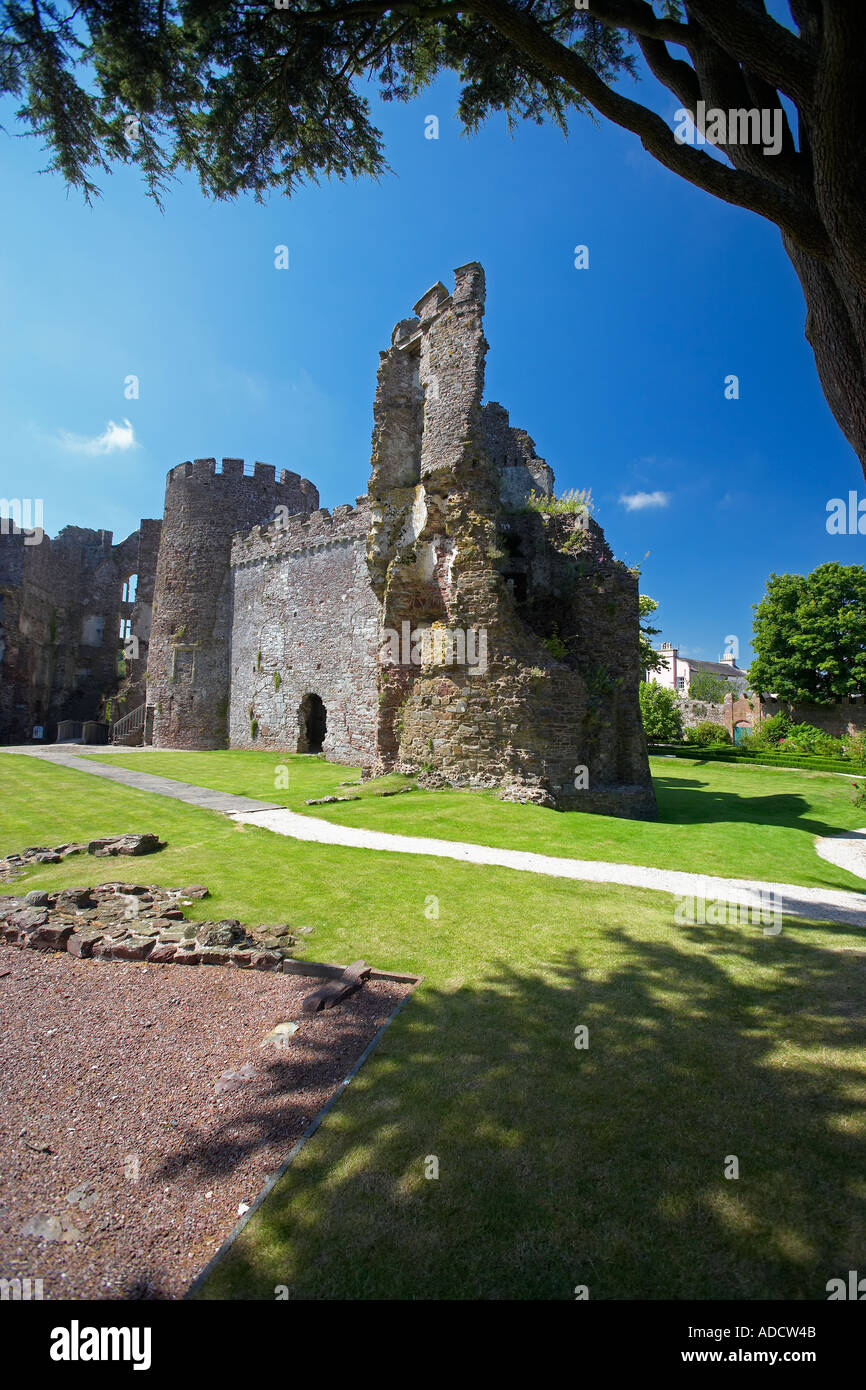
(188, 669)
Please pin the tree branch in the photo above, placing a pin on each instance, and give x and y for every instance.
(732, 186)
(723, 83)
(749, 35)
(640, 19)
(675, 74)
(736, 186)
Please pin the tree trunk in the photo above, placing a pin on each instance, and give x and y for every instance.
(836, 330)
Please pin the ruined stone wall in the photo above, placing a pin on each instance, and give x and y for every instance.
(26, 668)
(140, 611)
(87, 581)
(61, 610)
(188, 659)
(454, 549)
(136, 556)
(305, 622)
(513, 454)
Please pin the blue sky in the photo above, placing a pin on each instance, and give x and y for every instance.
(616, 371)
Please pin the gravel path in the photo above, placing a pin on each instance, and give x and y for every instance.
(824, 904)
(846, 851)
(139, 1110)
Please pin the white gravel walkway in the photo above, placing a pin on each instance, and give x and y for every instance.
(846, 851)
(816, 904)
(823, 904)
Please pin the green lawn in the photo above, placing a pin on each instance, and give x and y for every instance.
(716, 818)
(557, 1166)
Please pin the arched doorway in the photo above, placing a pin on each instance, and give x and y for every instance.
(312, 724)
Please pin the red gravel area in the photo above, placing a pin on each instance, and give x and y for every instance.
(120, 1150)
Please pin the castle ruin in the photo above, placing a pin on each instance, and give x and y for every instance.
(452, 622)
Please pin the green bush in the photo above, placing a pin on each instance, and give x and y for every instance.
(805, 738)
(555, 646)
(572, 503)
(771, 731)
(706, 733)
(750, 743)
(780, 734)
(660, 713)
(705, 686)
(855, 747)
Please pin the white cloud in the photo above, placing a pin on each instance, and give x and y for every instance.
(639, 501)
(114, 439)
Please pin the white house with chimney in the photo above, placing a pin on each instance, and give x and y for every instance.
(677, 670)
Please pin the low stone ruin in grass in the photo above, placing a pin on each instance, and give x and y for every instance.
(133, 921)
(105, 847)
(144, 922)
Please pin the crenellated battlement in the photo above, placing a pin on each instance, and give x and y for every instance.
(235, 470)
(468, 295)
(301, 532)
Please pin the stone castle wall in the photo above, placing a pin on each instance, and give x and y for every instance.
(60, 611)
(454, 548)
(264, 621)
(188, 665)
(305, 622)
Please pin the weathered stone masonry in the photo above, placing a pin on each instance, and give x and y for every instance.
(446, 542)
(61, 606)
(305, 622)
(189, 667)
(276, 624)
(453, 544)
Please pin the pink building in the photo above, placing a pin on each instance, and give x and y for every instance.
(677, 671)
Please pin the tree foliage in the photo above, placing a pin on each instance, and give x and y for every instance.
(707, 733)
(704, 685)
(650, 659)
(255, 95)
(810, 635)
(660, 714)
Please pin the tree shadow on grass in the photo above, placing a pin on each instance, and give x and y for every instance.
(560, 1167)
(689, 801)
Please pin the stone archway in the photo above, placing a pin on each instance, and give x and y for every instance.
(312, 724)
